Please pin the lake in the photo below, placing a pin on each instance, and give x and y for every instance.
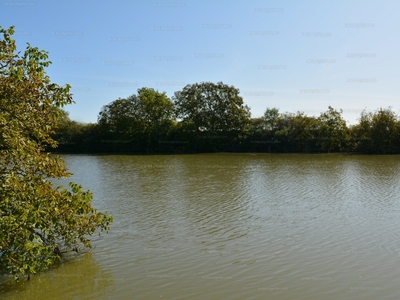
(233, 226)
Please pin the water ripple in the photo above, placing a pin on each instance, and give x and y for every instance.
(238, 226)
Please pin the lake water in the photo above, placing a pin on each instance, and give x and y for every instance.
(234, 226)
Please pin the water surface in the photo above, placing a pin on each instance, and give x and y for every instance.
(234, 226)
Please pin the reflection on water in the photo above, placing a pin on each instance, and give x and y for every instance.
(235, 226)
(79, 277)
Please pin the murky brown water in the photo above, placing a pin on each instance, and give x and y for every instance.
(234, 226)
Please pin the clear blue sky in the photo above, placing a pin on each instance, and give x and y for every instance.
(293, 55)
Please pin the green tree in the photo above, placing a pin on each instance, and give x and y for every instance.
(154, 110)
(67, 130)
(378, 132)
(257, 125)
(144, 117)
(148, 111)
(333, 130)
(154, 116)
(75, 137)
(385, 131)
(37, 221)
(297, 132)
(118, 117)
(271, 117)
(211, 107)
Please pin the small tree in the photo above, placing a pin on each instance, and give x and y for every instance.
(271, 117)
(334, 131)
(378, 132)
(37, 221)
(297, 132)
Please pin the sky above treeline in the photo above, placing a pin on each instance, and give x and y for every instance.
(293, 55)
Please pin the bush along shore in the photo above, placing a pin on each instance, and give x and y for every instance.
(211, 117)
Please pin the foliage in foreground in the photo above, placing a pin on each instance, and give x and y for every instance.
(37, 221)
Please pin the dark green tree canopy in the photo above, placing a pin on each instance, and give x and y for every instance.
(333, 130)
(212, 107)
(148, 111)
(154, 109)
(117, 116)
(270, 118)
(378, 132)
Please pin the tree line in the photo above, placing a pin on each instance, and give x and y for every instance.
(212, 117)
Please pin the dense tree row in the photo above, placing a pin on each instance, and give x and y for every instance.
(209, 117)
